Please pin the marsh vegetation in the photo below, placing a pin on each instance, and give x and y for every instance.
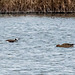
(37, 6)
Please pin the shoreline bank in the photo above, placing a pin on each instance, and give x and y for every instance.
(49, 14)
(22, 12)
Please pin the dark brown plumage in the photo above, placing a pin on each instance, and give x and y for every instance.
(11, 40)
(65, 45)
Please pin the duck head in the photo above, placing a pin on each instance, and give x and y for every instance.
(58, 45)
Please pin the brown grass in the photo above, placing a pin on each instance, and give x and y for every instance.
(37, 5)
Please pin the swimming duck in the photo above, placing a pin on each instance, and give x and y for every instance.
(65, 45)
(11, 40)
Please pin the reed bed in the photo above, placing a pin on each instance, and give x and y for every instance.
(37, 6)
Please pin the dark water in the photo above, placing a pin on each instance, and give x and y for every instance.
(36, 53)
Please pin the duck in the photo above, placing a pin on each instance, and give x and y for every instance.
(65, 45)
(12, 40)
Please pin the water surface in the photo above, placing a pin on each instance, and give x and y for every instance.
(36, 53)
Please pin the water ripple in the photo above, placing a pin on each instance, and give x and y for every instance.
(35, 53)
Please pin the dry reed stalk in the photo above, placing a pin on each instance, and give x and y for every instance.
(37, 5)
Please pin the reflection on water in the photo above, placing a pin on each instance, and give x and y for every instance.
(36, 53)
